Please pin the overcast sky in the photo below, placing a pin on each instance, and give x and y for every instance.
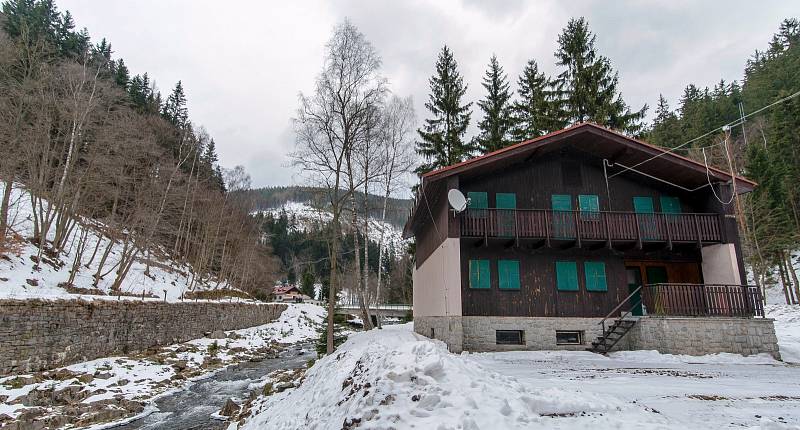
(244, 63)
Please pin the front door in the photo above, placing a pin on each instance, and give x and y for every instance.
(643, 206)
(634, 275)
(506, 204)
(563, 221)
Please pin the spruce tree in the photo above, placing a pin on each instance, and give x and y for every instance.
(665, 129)
(495, 127)
(588, 83)
(537, 111)
(174, 109)
(442, 137)
(121, 74)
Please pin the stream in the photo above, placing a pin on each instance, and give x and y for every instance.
(192, 408)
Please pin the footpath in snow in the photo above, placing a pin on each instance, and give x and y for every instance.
(394, 378)
(112, 388)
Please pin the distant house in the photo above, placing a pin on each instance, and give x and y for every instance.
(584, 239)
(289, 293)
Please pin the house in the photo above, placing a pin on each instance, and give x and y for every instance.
(289, 293)
(584, 239)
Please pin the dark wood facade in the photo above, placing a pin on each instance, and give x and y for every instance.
(524, 234)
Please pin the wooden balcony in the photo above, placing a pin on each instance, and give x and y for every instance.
(703, 300)
(592, 227)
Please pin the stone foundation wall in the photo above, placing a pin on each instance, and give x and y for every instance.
(539, 333)
(699, 336)
(43, 334)
(673, 335)
(447, 329)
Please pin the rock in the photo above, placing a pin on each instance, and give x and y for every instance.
(102, 375)
(62, 374)
(86, 378)
(32, 282)
(216, 334)
(229, 408)
(179, 365)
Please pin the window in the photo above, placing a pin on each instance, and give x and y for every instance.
(571, 174)
(567, 276)
(569, 337)
(479, 275)
(589, 205)
(509, 337)
(508, 274)
(670, 205)
(595, 272)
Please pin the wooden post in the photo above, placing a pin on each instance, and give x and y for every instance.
(546, 229)
(697, 230)
(608, 229)
(577, 227)
(638, 231)
(669, 233)
(516, 228)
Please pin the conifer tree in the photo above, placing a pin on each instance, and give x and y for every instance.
(588, 83)
(121, 74)
(537, 111)
(495, 127)
(442, 137)
(174, 109)
(665, 129)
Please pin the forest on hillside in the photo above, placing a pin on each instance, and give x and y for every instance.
(89, 142)
(274, 197)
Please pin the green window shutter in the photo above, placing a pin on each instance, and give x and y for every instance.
(595, 276)
(643, 205)
(561, 202)
(478, 200)
(508, 273)
(567, 276)
(479, 274)
(670, 205)
(588, 203)
(506, 200)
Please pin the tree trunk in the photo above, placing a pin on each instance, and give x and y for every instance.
(4, 209)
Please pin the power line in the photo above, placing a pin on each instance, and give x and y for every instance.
(720, 128)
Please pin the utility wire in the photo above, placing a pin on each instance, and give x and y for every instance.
(722, 127)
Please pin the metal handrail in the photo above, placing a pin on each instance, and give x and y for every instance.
(603, 321)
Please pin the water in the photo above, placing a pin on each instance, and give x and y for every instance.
(191, 409)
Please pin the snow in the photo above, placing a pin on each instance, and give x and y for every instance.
(395, 378)
(787, 328)
(144, 377)
(17, 271)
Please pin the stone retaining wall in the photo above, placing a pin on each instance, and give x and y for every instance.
(43, 334)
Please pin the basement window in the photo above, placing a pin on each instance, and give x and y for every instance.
(433, 334)
(509, 337)
(569, 337)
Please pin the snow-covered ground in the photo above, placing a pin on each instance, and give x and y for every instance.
(19, 279)
(394, 378)
(140, 378)
(305, 215)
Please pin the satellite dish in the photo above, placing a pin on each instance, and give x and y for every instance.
(457, 200)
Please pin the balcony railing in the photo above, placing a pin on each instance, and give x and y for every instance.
(592, 226)
(703, 300)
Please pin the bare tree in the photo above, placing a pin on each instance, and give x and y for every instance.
(329, 124)
(397, 128)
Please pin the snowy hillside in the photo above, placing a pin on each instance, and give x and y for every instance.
(306, 216)
(19, 278)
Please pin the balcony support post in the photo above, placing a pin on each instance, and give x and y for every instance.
(546, 229)
(669, 232)
(638, 231)
(577, 228)
(608, 230)
(697, 230)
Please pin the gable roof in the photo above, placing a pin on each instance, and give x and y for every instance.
(620, 150)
